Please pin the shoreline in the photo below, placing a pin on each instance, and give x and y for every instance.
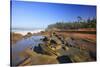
(73, 42)
(24, 32)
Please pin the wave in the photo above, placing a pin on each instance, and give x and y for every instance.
(25, 31)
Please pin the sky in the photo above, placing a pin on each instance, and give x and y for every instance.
(26, 14)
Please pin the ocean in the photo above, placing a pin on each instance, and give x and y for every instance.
(25, 31)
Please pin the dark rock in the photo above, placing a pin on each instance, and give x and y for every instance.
(38, 49)
(93, 55)
(29, 34)
(53, 42)
(64, 59)
(45, 39)
(63, 48)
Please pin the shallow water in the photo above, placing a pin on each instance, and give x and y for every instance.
(21, 45)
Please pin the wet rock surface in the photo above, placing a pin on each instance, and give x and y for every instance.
(59, 49)
(64, 59)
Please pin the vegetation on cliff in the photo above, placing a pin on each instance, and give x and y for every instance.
(80, 23)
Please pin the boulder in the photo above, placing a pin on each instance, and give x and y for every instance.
(29, 34)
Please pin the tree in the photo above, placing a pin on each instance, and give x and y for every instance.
(89, 23)
(79, 18)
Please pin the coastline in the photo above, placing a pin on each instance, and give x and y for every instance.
(81, 44)
(24, 32)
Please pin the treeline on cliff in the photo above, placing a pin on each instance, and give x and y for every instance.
(80, 23)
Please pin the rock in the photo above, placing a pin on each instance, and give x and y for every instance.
(65, 48)
(48, 50)
(70, 42)
(45, 39)
(15, 37)
(93, 55)
(38, 59)
(53, 41)
(38, 49)
(29, 34)
(64, 59)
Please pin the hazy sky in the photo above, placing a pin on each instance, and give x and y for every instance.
(40, 15)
